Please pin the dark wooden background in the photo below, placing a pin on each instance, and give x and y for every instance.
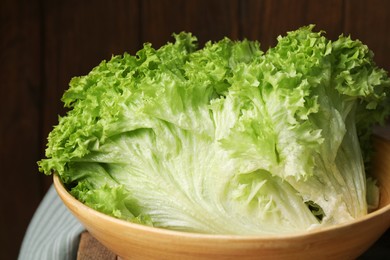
(46, 42)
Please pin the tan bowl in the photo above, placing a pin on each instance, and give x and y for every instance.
(133, 241)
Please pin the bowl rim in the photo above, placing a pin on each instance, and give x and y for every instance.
(65, 195)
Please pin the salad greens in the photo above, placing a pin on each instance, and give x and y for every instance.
(224, 139)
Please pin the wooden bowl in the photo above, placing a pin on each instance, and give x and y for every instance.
(347, 241)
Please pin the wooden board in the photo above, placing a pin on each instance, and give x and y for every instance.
(91, 249)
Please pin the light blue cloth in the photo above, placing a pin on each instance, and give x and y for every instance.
(53, 233)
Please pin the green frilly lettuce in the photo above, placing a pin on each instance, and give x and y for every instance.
(224, 139)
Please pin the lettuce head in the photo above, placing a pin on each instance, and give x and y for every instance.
(224, 139)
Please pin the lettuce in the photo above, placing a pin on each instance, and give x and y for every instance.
(224, 139)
